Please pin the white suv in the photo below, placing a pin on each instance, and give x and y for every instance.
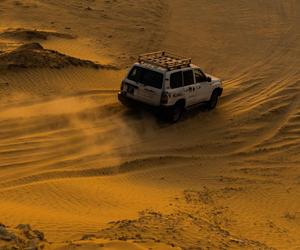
(169, 83)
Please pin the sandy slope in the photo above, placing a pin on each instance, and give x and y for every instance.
(75, 163)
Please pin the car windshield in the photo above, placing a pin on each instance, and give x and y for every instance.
(146, 76)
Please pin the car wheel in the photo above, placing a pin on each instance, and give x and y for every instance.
(213, 100)
(176, 112)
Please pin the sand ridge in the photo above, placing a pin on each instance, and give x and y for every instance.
(33, 55)
(27, 34)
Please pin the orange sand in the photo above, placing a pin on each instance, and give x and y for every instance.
(90, 174)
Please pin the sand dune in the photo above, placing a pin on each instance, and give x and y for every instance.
(81, 168)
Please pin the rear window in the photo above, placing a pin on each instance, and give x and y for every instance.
(146, 77)
(176, 80)
(188, 77)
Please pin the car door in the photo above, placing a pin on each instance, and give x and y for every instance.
(203, 86)
(175, 86)
(145, 85)
(189, 87)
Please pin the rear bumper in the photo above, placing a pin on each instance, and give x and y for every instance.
(129, 102)
(125, 100)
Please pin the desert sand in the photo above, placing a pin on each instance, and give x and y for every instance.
(80, 171)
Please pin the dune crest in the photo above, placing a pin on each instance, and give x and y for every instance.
(29, 34)
(33, 55)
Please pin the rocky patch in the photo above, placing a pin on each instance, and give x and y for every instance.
(21, 237)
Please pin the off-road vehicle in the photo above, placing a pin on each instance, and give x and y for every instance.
(170, 84)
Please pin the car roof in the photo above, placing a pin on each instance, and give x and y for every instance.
(151, 66)
(164, 70)
(165, 60)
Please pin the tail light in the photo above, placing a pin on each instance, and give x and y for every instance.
(164, 98)
(122, 85)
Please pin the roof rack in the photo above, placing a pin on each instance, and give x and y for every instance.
(165, 60)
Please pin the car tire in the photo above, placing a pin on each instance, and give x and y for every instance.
(213, 100)
(176, 112)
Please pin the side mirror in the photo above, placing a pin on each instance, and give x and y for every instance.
(208, 79)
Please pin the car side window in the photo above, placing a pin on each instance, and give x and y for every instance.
(199, 76)
(176, 80)
(188, 77)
